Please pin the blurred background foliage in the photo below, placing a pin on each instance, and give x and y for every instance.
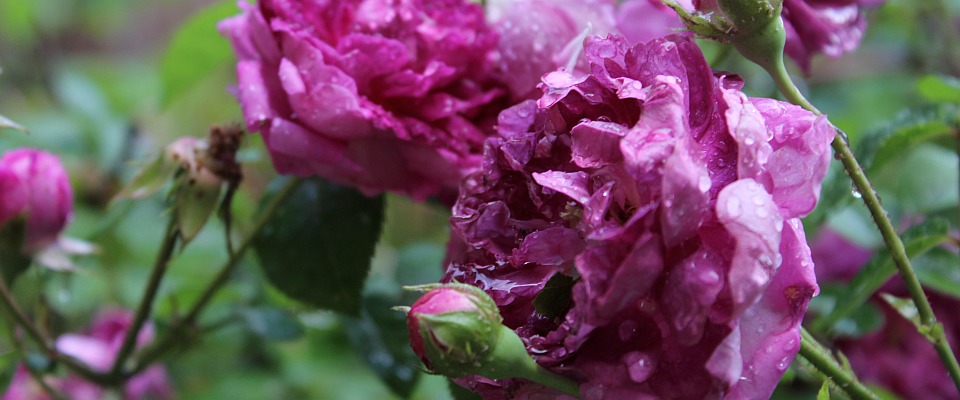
(107, 83)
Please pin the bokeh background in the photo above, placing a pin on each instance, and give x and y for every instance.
(107, 83)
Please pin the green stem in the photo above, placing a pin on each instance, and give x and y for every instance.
(882, 220)
(817, 355)
(146, 303)
(164, 344)
(556, 381)
(511, 360)
(20, 318)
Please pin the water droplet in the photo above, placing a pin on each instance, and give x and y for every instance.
(761, 212)
(704, 183)
(639, 365)
(790, 345)
(709, 277)
(856, 193)
(783, 363)
(733, 207)
(748, 141)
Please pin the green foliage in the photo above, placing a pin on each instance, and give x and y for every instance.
(939, 89)
(194, 204)
(938, 270)
(317, 247)
(863, 320)
(379, 335)
(148, 179)
(917, 240)
(196, 51)
(272, 324)
(12, 260)
(824, 393)
(554, 300)
(909, 128)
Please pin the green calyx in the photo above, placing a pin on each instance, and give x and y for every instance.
(475, 342)
(754, 27)
(459, 343)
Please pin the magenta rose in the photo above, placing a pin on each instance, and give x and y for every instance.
(34, 185)
(663, 205)
(539, 36)
(380, 95)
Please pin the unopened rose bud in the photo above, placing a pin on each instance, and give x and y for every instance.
(454, 328)
(754, 27)
(35, 186)
(457, 331)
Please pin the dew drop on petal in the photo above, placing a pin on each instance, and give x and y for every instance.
(639, 366)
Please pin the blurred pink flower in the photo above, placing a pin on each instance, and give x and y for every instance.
(382, 95)
(33, 184)
(830, 27)
(97, 348)
(671, 201)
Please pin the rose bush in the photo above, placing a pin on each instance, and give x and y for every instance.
(669, 203)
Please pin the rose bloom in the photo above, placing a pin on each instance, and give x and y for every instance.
(670, 202)
(895, 356)
(539, 36)
(34, 185)
(97, 348)
(381, 95)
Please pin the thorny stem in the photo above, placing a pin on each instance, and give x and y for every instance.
(146, 303)
(819, 357)
(164, 344)
(882, 220)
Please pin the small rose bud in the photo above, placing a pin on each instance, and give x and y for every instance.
(454, 329)
(35, 186)
(754, 27)
(457, 331)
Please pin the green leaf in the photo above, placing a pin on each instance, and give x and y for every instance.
(196, 51)
(905, 307)
(917, 240)
(554, 300)
(908, 129)
(148, 179)
(379, 335)
(824, 393)
(12, 260)
(865, 319)
(939, 89)
(272, 324)
(938, 270)
(317, 246)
